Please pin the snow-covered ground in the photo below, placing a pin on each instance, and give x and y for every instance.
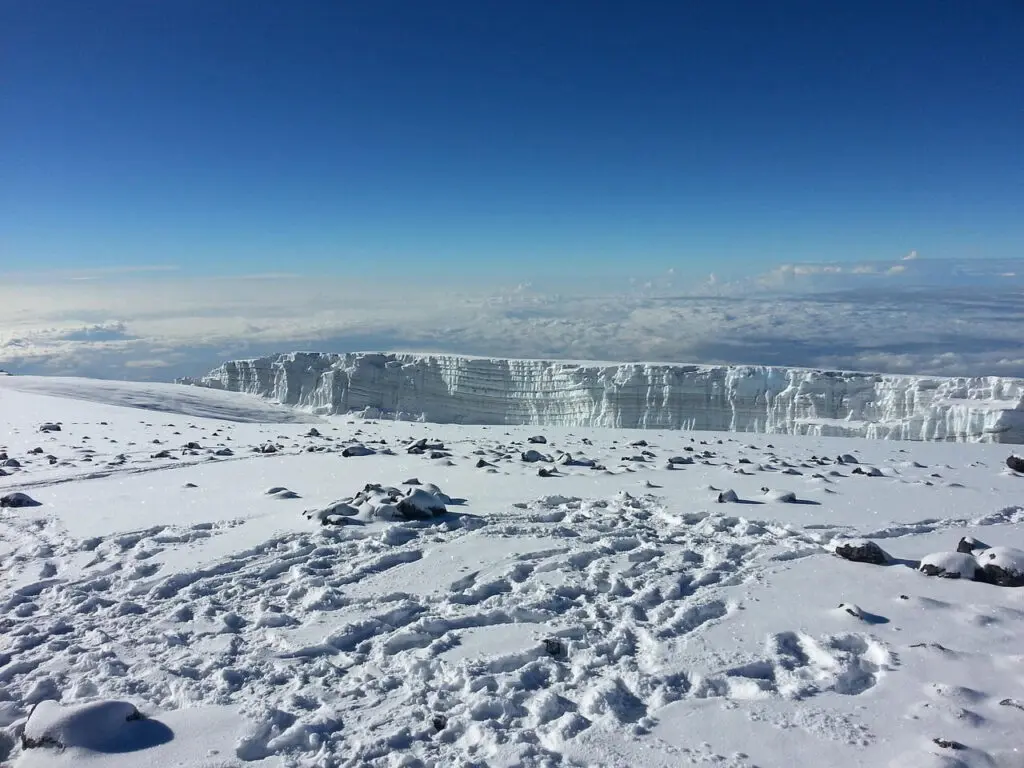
(613, 615)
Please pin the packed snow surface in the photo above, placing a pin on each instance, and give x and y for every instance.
(467, 390)
(203, 582)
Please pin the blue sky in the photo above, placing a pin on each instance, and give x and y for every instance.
(508, 138)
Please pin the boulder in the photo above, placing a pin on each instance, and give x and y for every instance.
(1016, 463)
(949, 565)
(970, 545)
(420, 504)
(862, 552)
(532, 456)
(18, 499)
(357, 450)
(1002, 566)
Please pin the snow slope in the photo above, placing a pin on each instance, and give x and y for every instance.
(449, 389)
(598, 615)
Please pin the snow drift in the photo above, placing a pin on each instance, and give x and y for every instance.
(467, 390)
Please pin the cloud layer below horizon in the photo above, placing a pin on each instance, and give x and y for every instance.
(908, 316)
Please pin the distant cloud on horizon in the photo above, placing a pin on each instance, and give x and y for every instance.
(903, 316)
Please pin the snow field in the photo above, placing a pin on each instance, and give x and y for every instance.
(594, 616)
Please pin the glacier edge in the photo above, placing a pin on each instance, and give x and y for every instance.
(739, 398)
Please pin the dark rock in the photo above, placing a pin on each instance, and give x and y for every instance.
(638, 444)
(948, 744)
(160, 455)
(50, 427)
(1001, 566)
(420, 504)
(36, 451)
(357, 450)
(1016, 463)
(553, 646)
(17, 500)
(863, 552)
(537, 440)
(192, 446)
(313, 432)
(267, 448)
(12, 463)
(969, 545)
(480, 464)
(440, 722)
(544, 472)
(532, 456)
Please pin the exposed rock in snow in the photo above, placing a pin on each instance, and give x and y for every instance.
(420, 504)
(49, 427)
(728, 496)
(532, 456)
(969, 544)
(862, 551)
(18, 499)
(949, 565)
(1003, 566)
(357, 450)
(1016, 463)
(444, 388)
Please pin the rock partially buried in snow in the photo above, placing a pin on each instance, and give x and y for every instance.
(333, 514)
(96, 725)
(1016, 463)
(357, 450)
(862, 552)
(728, 496)
(783, 497)
(18, 499)
(949, 565)
(1002, 566)
(532, 456)
(969, 544)
(868, 472)
(49, 427)
(420, 504)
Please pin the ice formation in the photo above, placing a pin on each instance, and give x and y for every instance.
(741, 398)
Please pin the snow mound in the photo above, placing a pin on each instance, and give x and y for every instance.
(949, 565)
(98, 725)
(1003, 566)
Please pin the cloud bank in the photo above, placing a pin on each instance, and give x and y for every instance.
(912, 315)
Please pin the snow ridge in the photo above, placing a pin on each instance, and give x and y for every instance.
(766, 399)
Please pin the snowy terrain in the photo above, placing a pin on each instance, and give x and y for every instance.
(170, 595)
(446, 389)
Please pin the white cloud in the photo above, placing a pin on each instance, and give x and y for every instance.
(149, 327)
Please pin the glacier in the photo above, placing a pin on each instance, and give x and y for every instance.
(739, 398)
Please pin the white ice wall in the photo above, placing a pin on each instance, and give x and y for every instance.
(446, 388)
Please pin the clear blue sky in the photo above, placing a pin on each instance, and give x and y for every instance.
(360, 137)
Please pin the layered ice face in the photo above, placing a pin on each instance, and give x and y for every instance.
(766, 399)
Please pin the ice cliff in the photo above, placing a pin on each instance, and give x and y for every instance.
(447, 388)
